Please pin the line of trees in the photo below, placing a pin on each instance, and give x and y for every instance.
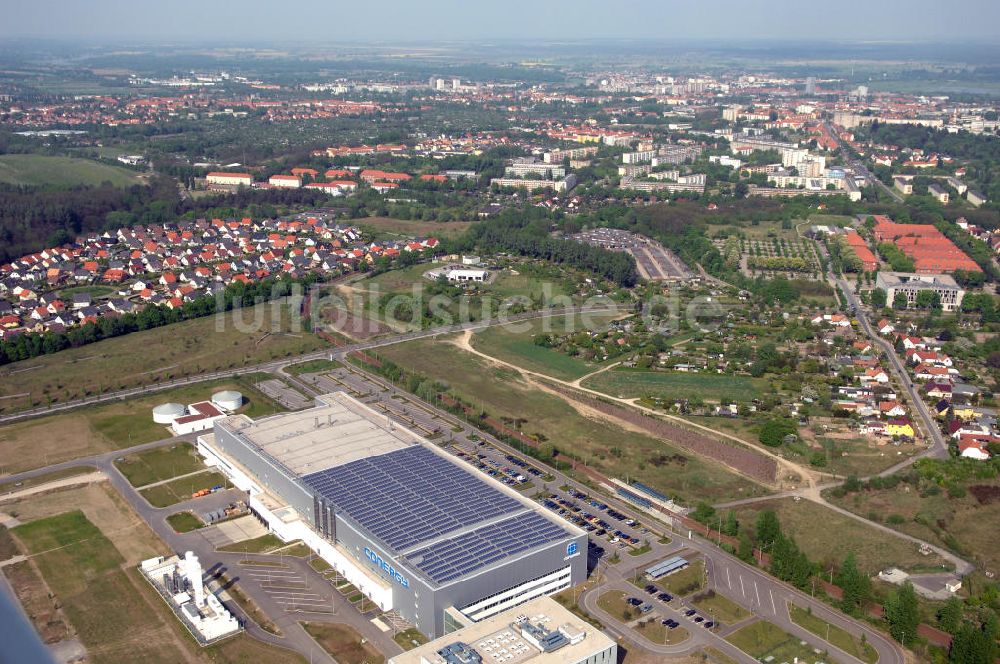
(27, 346)
(514, 232)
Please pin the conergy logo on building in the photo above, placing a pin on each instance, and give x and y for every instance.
(387, 568)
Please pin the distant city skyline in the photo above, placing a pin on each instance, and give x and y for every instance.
(396, 20)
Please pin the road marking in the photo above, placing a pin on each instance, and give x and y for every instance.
(774, 609)
(756, 592)
(728, 582)
(742, 589)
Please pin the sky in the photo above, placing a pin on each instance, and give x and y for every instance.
(260, 21)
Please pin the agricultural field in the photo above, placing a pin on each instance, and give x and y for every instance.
(763, 640)
(189, 348)
(616, 450)
(518, 347)
(34, 169)
(952, 519)
(179, 490)
(111, 426)
(632, 384)
(827, 537)
(770, 249)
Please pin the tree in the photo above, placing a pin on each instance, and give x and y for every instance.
(745, 548)
(731, 526)
(973, 645)
(856, 585)
(768, 528)
(899, 300)
(774, 431)
(903, 614)
(950, 615)
(879, 298)
(703, 512)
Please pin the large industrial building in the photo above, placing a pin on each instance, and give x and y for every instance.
(410, 526)
(541, 631)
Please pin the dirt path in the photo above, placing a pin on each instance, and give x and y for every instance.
(96, 476)
(790, 469)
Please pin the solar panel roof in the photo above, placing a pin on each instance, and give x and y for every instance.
(458, 556)
(410, 496)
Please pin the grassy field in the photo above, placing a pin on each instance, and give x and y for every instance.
(936, 517)
(827, 537)
(344, 642)
(610, 448)
(613, 602)
(34, 169)
(189, 348)
(407, 228)
(159, 464)
(164, 495)
(262, 544)
(113, 611)
(689, 580)
(720, 608)
(184, 522)
(834, 635)
(630, 383)
(517, 346)
(111, 426)
(762, 639)
(655, 632)
(410, 639)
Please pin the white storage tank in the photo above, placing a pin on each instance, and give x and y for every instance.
(228, 399)
(166, 413)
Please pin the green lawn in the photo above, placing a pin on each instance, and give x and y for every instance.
(410, 639)
(517, 346)
(505, 396)
(686, 581)
(632, 383)
(184, 522)
(33, 169)
(262, 544)
(762, 639)
(164, 495)
(159, 464)
(613, 602)
(720, 608)
(834, 635)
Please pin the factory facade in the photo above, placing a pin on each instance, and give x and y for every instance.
(410, 526)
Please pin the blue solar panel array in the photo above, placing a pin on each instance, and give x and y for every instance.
(634, 498)
(457, 556)
(410, 496)
(650, 491)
